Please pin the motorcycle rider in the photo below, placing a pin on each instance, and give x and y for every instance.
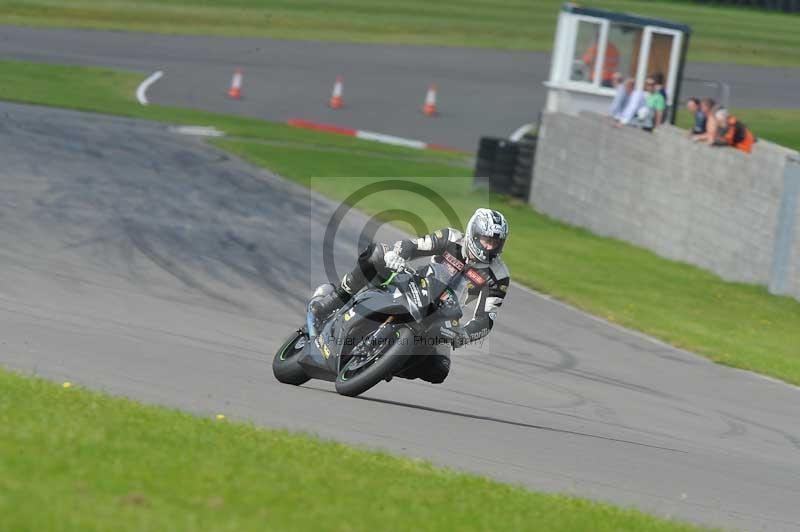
(475, 254)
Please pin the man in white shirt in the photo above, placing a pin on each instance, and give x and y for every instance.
(637, 100)
(624, 90)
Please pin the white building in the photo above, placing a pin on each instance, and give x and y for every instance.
(591, 45)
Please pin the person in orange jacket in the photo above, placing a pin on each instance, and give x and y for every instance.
(610, 64)
(736, 133)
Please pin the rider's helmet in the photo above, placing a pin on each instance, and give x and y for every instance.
(486, 235)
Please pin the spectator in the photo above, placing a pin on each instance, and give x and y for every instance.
(736, 133)
(635, 102)
(707, 106)
(693, 106)
(658, 78)
(655, 101)
(645, 109)
(649, 110)
(624, 91)
(610, 63)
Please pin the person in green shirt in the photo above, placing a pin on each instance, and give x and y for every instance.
(654, 100)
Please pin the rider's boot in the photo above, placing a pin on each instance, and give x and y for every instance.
(352, 282)
(331, 302)
(326, 305)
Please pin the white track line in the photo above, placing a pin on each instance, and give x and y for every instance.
(390, 139)
(141, 92)
(199, 131)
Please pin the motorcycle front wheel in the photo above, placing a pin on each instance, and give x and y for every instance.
(374, 363)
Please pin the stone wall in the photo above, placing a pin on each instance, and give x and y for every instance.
(716, 208)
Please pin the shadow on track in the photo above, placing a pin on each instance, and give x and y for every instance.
(500, 420)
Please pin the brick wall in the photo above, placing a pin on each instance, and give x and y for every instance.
(713, 207)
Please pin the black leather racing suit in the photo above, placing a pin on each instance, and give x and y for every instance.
(488, 282)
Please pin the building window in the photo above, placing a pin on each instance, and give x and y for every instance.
(622, 52)
(587, 44)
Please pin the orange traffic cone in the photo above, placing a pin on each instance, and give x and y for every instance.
(429, 109)
(235, 91)
(336, 98)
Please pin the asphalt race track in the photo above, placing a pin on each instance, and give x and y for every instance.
(481, 92)
(142, 262)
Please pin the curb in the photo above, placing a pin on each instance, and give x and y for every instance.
(370, 135)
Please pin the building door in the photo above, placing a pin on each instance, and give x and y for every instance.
(660, 54)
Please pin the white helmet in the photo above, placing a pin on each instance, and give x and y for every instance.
(487, 231)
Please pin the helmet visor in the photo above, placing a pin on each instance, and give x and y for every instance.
(490, 245)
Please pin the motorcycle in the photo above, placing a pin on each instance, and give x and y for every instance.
(382, 332)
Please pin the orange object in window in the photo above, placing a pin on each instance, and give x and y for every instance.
(610, 65)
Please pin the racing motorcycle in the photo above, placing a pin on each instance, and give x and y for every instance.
(382, 332)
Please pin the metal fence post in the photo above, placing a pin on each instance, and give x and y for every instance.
(785, 229)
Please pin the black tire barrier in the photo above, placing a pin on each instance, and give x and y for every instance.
(525, 164)
(521, 175)
(483, 169)
(505, 167)
(524, 159)
(483, 164)
(521, 183)
(519, 192)
(505, 162)
(488, 146)
(500, 184)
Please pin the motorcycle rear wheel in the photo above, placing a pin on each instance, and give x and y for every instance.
(355, 382)
(285, 366)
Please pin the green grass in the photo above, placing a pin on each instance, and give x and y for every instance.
(721, 34)
(736, 324)
(71, 459)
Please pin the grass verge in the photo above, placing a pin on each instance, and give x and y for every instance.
(721, 34)
(71, 459)
(735, 324)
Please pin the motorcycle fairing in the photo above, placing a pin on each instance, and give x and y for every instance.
(405, 299)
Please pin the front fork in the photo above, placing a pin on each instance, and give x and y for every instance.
(380, 334)
(312, 329)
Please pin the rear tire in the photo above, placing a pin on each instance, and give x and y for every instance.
(285, 366)
(385, 366)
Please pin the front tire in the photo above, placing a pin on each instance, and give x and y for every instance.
(353, 383)
(285, 366)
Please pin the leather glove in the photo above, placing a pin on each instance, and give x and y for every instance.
(394, 261)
